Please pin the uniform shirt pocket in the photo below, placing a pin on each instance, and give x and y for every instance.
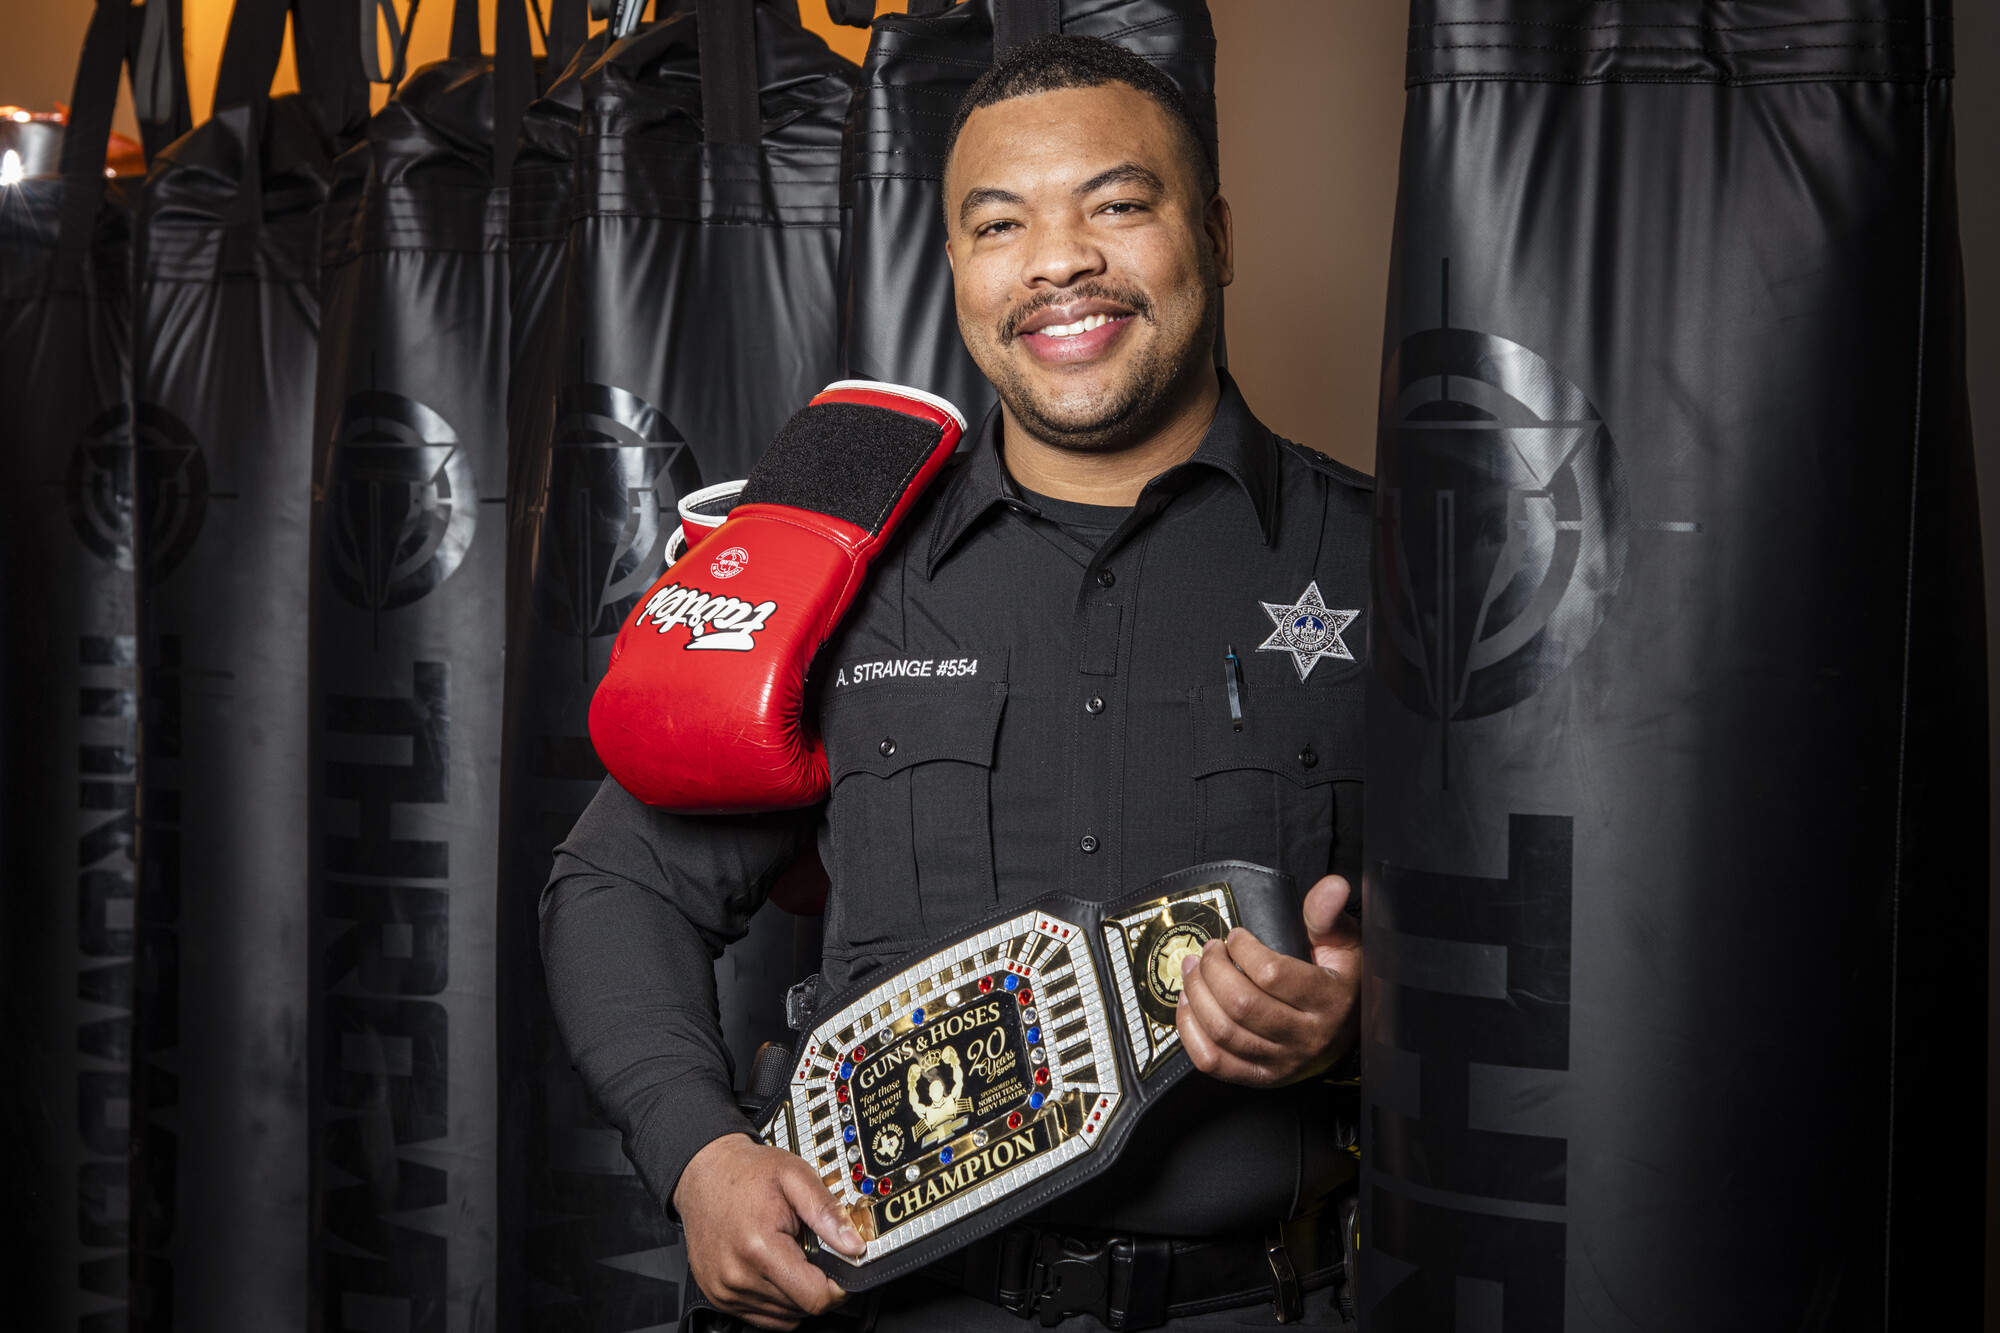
(1267, 793)
(910, 816)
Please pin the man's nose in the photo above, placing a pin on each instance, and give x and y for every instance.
(1061, 254)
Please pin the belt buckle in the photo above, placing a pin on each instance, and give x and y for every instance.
(1065, 1284)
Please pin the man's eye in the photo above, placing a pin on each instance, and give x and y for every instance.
(995, 228)
(1124, 206)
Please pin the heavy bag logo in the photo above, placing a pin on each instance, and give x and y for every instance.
(713, 620)
(617, 468)
(171, 476)
(401, 501)
(1502, 523)
(1465, 1130)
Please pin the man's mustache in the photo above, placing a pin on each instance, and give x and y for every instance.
(1129, 297)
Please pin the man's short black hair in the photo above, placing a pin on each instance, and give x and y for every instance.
(1060, 60)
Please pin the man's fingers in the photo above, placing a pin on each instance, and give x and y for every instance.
(1261, 1039)
(788, 1275)
(1292, 982)
(1201, 1048)
(810, 1200)
(1211, 1058)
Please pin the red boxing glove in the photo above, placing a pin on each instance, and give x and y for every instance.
(703, 708)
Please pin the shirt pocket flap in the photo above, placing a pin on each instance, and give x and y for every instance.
(888, 728)
(1308, 736)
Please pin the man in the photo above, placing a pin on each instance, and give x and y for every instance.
(1148, 606)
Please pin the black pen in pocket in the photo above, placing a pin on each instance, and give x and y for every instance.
(1232, 675)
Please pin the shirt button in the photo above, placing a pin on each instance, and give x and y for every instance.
(1307, 758)
(1105, 578)
(1089, 844)
(887, 747)
(1096, 705)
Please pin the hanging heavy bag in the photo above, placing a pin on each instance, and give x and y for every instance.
(407, 610)
(901, 321)
(581, 1241)
(697, 307)
(68, 721)
(1676, 905)
(541, 189)
(225, 324)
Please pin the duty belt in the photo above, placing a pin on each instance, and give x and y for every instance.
(1007, 1064)
(1130, 1282)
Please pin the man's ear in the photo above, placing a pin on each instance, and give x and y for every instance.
(1219, 228)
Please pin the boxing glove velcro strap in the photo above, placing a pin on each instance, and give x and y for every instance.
(851, 461)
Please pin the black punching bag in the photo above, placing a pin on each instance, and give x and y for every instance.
(901, 323)
(68, 719)
(1676, 915)
(226, 319)
(408, 602)
(697, 308)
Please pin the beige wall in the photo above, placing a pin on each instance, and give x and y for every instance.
(1310, 106)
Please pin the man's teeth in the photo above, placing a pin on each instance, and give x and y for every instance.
(1084, 325)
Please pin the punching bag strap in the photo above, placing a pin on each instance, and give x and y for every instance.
(569, 28)
(87, 134)
(730, 111)
(853, 13)
(249, 62)
(513, 84)
(384, 13)
(159, 75)
(330, 71)
(1017, 21)
(250, 52)
(465, 43)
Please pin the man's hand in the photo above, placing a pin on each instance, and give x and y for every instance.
(1253, 1016)
(743, 1206)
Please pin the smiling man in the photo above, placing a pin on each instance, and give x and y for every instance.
(1137, 618)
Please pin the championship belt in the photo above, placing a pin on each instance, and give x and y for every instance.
(1008, 1064)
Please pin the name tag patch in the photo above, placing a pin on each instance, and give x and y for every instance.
(917, 668)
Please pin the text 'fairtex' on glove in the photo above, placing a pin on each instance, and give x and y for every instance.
(702, 709)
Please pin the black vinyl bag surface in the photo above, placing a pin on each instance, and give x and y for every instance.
(901, 324)
(1674, 1009)
(675, 300)
(583, 1245)
(407, 632)
(68, 717)
(226, 319)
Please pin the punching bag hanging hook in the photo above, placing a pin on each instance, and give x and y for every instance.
(621, 16)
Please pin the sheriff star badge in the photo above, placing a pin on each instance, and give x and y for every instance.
(1307, 630)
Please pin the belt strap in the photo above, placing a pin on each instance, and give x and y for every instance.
(1138, 1282)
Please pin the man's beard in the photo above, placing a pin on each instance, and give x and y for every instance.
(1132, 410)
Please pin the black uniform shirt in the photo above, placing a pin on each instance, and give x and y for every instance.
(1012, 707)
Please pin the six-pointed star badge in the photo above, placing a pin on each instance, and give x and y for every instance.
(1307, 630)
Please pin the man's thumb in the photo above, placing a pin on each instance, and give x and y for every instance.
(808, 1197)
(1325, 903)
